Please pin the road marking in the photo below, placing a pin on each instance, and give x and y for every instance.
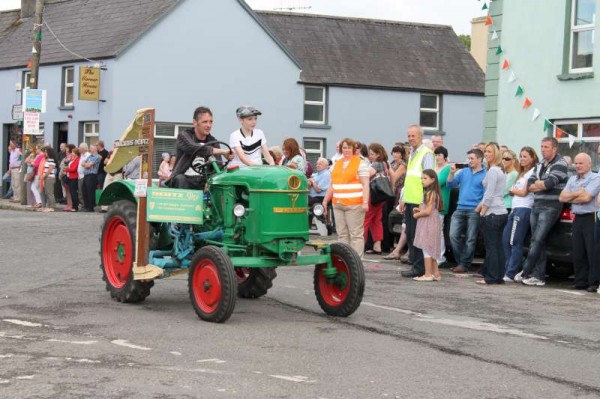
(122, 342)
(22, 323)
(572, 292)
(4, 381)
(72, 342)
(175, 353)
(204, 371)
(472, 325)
(293, 378)
(8, 355)
(218, 361)
(482, 326)
(25, 377)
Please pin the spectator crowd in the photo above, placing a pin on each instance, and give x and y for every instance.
(504, 196)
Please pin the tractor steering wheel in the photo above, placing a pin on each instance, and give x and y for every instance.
(201, 168)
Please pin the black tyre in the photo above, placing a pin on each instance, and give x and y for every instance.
(212, 284)
(117, 254)
(342, 295)
(559, 270)
(254, 283)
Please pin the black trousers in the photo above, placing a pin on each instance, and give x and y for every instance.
(587, 272)
(187, 182)
(89, 191)
(74, 191)
(415, 255)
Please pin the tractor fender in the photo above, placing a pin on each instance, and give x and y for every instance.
(118, 190)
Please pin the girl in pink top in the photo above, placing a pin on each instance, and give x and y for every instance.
(429, 226)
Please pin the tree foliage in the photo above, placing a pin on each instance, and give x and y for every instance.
(466, 39)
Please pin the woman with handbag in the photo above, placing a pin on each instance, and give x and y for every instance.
(374, 218)
(349, 192)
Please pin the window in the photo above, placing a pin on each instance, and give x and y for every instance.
(587, 138)
(165, 134)
(583, 20)
(68, 86)
(91, 131)
(314, 105)
(430, 111)
(26, 79)
(315, 149)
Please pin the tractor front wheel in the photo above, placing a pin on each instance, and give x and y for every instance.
(340, 295)
(254, 282)
(212, 284)
(117, 252)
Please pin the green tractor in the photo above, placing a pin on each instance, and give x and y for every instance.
(229, 238)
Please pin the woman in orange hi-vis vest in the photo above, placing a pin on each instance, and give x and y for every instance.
(349, 192)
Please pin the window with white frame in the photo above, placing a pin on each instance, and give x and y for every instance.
(165, 135)
(586, 133)
(26, 80)
(315, 149)
(315, 99)
(430, 111)
(68, 86)
(583, 21)
(91, 131)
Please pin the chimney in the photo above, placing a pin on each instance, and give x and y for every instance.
(27, 8)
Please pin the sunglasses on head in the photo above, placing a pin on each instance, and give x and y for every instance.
(507, 159)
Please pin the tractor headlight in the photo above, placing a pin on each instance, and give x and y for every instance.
(318, 209)
(239, 210)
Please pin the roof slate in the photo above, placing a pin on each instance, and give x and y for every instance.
(95, 29)
(375, 53)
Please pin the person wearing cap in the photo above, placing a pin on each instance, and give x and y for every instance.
(191, 148)
(248, 143)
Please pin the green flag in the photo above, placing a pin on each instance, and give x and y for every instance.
(547, 125)
(485, 7)
(499, 51)
(519, 92)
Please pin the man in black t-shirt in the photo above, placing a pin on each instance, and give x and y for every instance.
(190, 142)
(103, 152)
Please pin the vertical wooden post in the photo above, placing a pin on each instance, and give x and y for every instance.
(146, 163)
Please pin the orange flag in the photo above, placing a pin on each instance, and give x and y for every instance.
(506, 64)
(488, 21)
(29, 64)
(559, 133)
(527, 103)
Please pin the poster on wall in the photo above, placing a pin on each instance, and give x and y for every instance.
(34, 100)
(89, 83)
(31, 123)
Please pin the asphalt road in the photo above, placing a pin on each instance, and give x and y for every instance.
(61, 336)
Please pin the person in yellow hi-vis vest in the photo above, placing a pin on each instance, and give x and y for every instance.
(349, 192)
(421, 158)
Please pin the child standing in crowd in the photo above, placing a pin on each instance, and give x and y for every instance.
(429, 226)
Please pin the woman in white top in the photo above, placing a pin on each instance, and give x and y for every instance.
(292, 158)
(517, 225)
(248, 143)
(164, 170)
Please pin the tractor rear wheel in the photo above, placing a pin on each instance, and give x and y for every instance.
(341, 295)
(117, 253)
(254, 282)
(212, 284)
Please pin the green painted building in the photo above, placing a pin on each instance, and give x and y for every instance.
(548, 49)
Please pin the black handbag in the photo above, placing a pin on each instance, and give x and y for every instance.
(380, 189)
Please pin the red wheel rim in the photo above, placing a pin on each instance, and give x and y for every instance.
(207, 286)
(242, 274)
(117, 252)
(332, 294)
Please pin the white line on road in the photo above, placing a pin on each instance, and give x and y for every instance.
(122, 342)
(8, 355)
(472, 325)
(22, 323)
(218, 361)
(293, 378)
(25, 377)
(572, 292)
(175, 353)
(72, 342)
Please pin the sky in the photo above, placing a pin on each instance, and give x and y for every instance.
(457, 13)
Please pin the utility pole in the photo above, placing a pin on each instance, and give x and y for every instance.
(33, 82)
(37, 44)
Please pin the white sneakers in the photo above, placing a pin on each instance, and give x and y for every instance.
(508, 279)
(534, 281)
(518, 277)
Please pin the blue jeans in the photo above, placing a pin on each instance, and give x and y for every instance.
(464, 222)
(515, 231)
(542, 220)
(493, 267)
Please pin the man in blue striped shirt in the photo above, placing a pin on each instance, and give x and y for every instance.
(90, 179)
